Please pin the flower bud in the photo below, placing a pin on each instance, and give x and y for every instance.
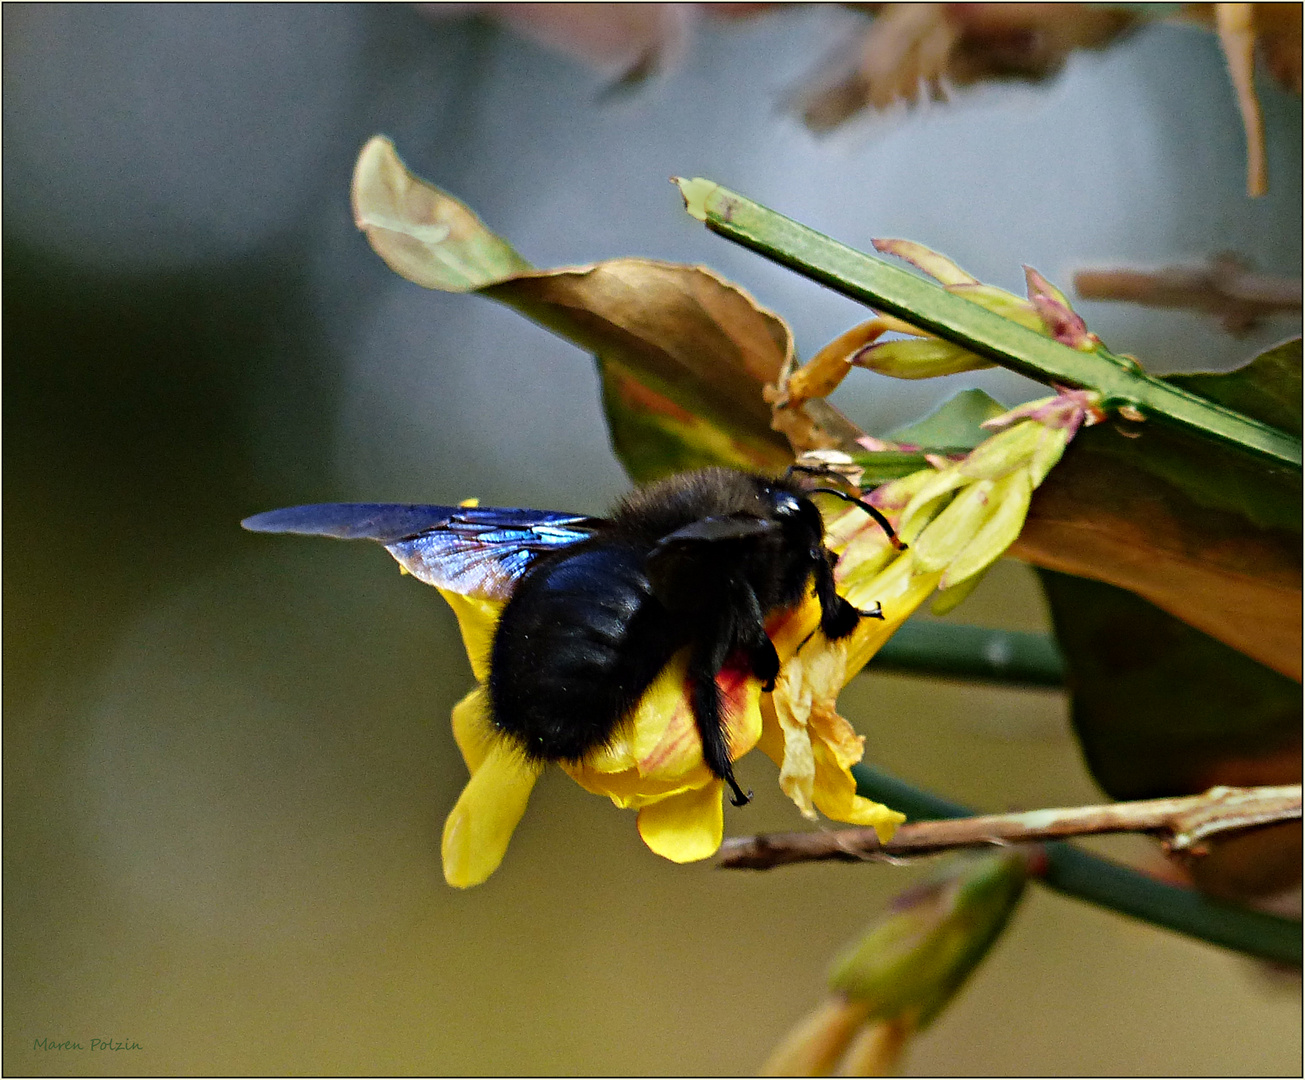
(952, 530)
(914, 961)
(1008, 506)
(919, 358)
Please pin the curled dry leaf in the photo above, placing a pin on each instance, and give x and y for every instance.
(422, 233)
(682, 353)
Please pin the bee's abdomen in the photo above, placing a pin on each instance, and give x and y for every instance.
(579, 642)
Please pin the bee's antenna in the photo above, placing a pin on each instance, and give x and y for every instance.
(874, 512)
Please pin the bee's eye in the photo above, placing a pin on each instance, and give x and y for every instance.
(785, 504)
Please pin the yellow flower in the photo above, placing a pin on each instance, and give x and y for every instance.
(654, 764)
(957, 518)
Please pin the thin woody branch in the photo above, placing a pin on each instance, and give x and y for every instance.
(1224, 288)
(1184, 823)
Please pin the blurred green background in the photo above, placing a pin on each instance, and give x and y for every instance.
(227, 757)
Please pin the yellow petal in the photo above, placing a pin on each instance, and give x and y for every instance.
(900, 590)
(819, 377)
(687, 827)
(678, 750)
(797, 765)
(473, 730)
(629, 790)
(835, 796)
(771, 742)
(663, 729)
(741, 708)
(477, 619)
(794, 627)
(617, 755)
(479, 827)
(840, 738)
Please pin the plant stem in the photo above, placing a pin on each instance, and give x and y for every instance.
(1185, 823)
(887, 288)
(953, 651)
(1076, 873)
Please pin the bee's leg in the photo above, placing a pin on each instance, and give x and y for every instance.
(838, 618)
(705, 660)
(752, 637)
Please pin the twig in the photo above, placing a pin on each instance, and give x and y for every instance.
(1076, 873)
(1225, 288)
(1185, 823)
(1236, 27)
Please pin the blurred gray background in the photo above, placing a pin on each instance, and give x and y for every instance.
(227, 757)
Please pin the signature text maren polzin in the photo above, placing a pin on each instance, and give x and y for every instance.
(96, 1044)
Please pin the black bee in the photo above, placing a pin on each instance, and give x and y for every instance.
(596, 607)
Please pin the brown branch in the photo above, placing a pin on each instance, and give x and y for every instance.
(1224, 288)
(1184, 823)
(1235, 24)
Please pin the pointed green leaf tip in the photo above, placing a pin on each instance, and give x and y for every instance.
(695, 192)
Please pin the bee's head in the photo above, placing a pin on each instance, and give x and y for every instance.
(795, 511)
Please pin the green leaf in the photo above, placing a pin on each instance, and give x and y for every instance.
(953, 428)
(1267, 389)
(955, 425)
(872, 281)
(1267, 496)
(1161, 708)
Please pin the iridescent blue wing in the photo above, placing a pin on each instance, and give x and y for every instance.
(475, 551)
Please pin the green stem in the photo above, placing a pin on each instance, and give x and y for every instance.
(890, 289)
(951, 651)
(1074, 872)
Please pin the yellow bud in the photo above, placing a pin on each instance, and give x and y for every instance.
(1010, 505)
(897, 494)
(1048, 451)
(952, 597)
(920, 358)
(937, 266)
(924, 502)
(934, 935)
(948, 534)
(1000, 302)
(876, 1048)
(1005, 451)
(815, 1045)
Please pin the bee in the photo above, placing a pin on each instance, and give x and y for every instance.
(596, 607)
